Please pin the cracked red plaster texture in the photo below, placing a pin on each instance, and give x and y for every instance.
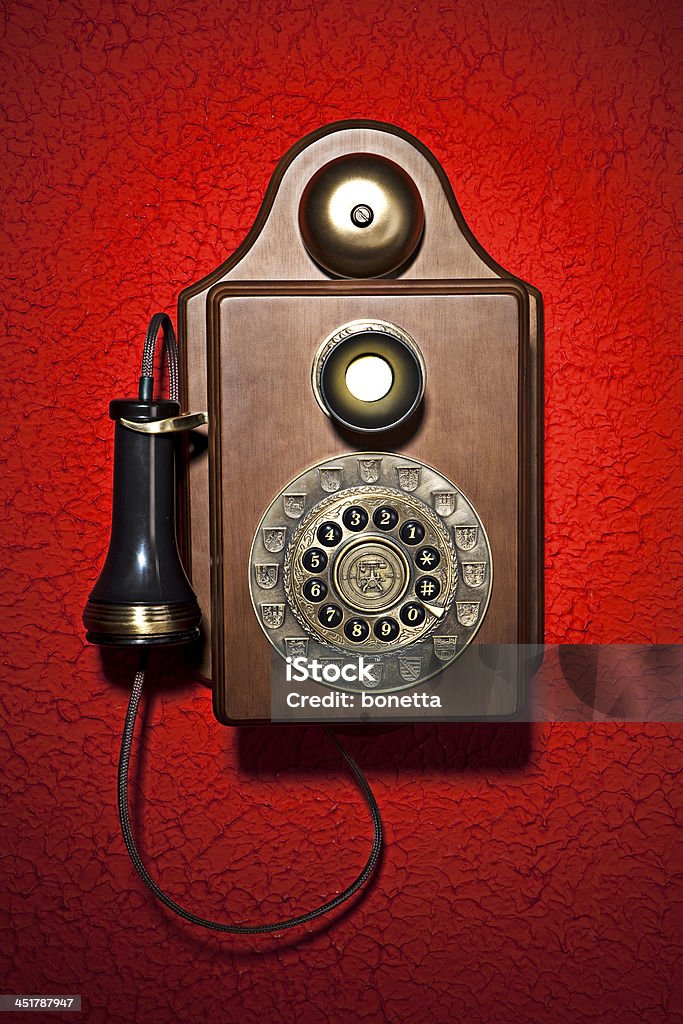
(530, 873)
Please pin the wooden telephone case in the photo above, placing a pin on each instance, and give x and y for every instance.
(249, 334)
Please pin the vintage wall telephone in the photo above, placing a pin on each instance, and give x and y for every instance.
(372, 482)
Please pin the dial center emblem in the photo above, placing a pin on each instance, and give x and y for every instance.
(371, 574)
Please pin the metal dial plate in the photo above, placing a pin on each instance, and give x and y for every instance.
(372, 554)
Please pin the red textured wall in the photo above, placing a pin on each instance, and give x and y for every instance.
(530, 871)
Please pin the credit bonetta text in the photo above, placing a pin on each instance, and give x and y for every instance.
(367, 700)
(300, 670)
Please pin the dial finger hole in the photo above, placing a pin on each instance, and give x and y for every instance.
(412, 532)
(315, 590)
(356, 630)
(314, 560)
(329, 534)
(355, 518)
(412, 614)
(427, 588)
(386, 630)
(427, 558)
(385, 517)
(330, 615)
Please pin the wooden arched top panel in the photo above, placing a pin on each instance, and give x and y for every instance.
(273, 249)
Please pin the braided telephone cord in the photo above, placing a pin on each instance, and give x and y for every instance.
(162, 320)
(235, 929)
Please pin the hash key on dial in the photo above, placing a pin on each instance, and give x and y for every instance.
(427, 588)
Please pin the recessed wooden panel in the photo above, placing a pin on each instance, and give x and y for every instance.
(267, 426)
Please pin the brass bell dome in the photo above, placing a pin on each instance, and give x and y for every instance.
(361, 215)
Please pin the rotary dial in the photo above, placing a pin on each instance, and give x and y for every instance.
(370, 567)
(375, 555)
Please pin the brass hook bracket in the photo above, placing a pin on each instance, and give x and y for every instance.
(172, 425)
